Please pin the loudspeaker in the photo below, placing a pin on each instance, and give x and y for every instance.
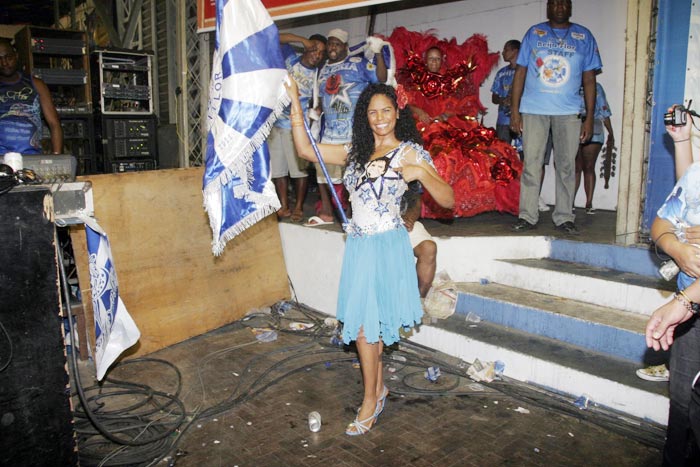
(36, 424)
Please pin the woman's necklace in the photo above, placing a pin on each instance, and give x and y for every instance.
(561, 39)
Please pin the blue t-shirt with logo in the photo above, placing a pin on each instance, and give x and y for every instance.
(502, 84)
(682, 209)
(555, 61)
(304, 78)
(340, 86)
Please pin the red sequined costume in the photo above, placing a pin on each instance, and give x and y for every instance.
(483, 171)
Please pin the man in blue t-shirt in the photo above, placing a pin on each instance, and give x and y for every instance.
(500, 90)
(555, 59)
(340, 82)
(284, 162)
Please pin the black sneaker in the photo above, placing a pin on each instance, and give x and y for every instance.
(522, 225)
(569, 228)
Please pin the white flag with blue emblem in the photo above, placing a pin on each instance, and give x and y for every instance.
(246, 95)
(115, 331)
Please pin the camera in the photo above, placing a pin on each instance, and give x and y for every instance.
(676, 117)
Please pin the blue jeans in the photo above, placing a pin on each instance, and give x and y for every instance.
(682, 415)
(566, 130)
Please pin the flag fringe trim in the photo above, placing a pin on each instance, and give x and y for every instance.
(243, 162)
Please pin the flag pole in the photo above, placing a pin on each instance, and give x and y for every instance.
(343, 217)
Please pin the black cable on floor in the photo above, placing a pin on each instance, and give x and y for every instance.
(137, 434)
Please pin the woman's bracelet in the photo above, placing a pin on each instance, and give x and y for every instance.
(666, 233)
(683, 302)
(680, 140)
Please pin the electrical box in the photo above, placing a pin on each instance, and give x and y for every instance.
(124, 81)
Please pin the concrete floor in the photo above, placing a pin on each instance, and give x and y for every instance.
(248, 403)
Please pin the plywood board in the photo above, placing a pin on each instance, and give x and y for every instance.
(172, 285)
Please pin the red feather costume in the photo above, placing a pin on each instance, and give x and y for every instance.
(483, 171)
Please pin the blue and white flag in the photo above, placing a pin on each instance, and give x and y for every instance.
(115, 331)
(246, 95)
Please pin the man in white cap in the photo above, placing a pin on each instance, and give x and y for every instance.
(341, 81)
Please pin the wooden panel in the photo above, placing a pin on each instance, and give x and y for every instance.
(172, 285)
(36, 418)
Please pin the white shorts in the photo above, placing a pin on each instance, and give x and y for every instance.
(418, 234)
(334, 171)
(283, 156)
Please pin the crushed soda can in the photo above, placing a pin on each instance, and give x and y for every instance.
(314, 421)
(583, 401)
(432, 374)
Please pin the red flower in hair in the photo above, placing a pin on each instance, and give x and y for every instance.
(401, 97)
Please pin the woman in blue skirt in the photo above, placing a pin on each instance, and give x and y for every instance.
(378, 291)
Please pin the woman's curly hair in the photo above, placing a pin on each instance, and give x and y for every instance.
(362, 136)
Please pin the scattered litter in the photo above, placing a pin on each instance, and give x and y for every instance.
(199, 425)
(230, 426)
(283, 307)
(482, 371)
(483, 281)
(311, 456)
(327, 364)
(550, 436)
(288, 403)
(521, 410)
(330, 322)
(398, 358)
(300, 391)
(234, 373)
(442, 297)
(216, 419)
(583, 401)
(498, 368)
(495, 402)
(432, 374)
(305, 446)
(486, 406)
(336, 340)
(536, 449)
(304, 441)
(297, 326)
(264, 334)
(393, 377)
(391, 369)
(473, 326)
(571, 434)
(476, 387)
(216, 441)
(249, 423)
(356, 363)
(204, 444)
(473, 317)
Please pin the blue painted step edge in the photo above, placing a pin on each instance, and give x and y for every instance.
(598, 337)
(634, 259)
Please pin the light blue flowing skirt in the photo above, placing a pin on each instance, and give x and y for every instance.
(378, 287)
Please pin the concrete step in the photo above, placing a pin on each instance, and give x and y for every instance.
(635, 259)
(606, 330)
(552, 364)
(586, 283)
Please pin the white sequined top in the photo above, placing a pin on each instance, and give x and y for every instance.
(376, 190)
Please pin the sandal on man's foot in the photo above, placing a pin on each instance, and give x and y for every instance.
(360, 427)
